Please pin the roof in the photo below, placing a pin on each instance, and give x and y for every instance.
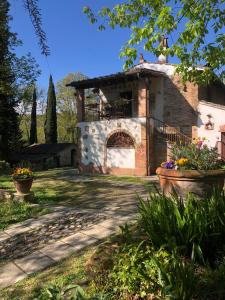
(38, 152)
(43, 149)
(129, 75)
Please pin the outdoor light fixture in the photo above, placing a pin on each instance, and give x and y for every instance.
(209, 125)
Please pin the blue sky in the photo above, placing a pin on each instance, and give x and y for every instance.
(75, 44)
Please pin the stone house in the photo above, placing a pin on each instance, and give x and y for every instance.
(139, 112)
(44, 156)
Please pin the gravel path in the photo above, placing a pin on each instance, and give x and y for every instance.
(22, 244)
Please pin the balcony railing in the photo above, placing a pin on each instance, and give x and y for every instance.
(93, 112)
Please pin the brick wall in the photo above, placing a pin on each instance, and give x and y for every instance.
(180, 105)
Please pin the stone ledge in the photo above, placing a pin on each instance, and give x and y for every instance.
(8, 195)
(23, 197)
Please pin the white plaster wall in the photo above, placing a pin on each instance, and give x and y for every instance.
(95, 134)
(120, 158)
(218, 118)
(167, 68)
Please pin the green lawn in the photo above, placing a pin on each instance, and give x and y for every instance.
(69, 271)
(14, 212)
(52, 187)
(61, 187)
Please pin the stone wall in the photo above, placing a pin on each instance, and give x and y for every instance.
(65, 156)
(93, 147)
(217, 113)
(180, 105)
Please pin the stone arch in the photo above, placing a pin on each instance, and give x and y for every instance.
(120, 139)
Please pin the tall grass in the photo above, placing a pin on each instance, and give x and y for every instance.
(12, 212)
(195, 228)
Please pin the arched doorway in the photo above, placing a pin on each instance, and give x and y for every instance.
(120, 151)
(73, 158)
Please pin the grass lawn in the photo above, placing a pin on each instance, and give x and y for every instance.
(62, 187)
(69, 271)
(14, 212)
(57, 187)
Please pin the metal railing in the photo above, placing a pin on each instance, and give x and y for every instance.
(169, 133)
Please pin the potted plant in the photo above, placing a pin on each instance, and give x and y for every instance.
(23, 179)
(192, 168)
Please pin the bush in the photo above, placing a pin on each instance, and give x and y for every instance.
(165, 257)
(195, 229)
(136, 272)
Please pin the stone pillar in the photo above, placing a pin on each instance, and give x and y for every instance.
(80, 105)
(141, 150)
(142, 98)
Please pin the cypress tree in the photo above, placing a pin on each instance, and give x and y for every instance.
(33, 124)
(9, 124)
(51, 117)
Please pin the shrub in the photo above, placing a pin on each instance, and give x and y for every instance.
(135, 271)
(211, 283)
(195, 229)
(178, 278)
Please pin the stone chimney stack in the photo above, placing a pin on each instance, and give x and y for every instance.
(141, 59)
(164, 43)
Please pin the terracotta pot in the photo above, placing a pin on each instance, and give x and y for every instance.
(23, 186)
(198, 182)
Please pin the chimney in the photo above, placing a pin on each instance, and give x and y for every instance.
(164, 43)
(141, 59)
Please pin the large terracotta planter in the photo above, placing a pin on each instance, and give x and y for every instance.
(198, 182)
(23, 186)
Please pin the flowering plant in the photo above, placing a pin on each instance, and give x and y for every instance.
(22, 173)
(194, 156)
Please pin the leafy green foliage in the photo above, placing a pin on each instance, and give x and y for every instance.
(70, 292)
(200, 157)
(191, 23)
(136, 271)
(15, 74)
(211, 283)
(51, 116)
(194, 228)
(66, 107)
(177, 278)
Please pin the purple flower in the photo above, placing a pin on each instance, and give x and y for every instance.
(169, 165)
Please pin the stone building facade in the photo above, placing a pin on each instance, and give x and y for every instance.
(138, 114)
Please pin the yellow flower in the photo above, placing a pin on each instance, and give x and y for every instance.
(182, 161)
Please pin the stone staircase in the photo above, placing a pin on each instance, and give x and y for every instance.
(168, 133)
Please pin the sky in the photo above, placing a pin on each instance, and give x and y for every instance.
(75, 44)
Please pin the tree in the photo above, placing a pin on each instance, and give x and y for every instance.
(33, 123)
(66, 107)
(35, 16)
(9, 125)
(197, 29)
(51, 117)
(15, 73)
